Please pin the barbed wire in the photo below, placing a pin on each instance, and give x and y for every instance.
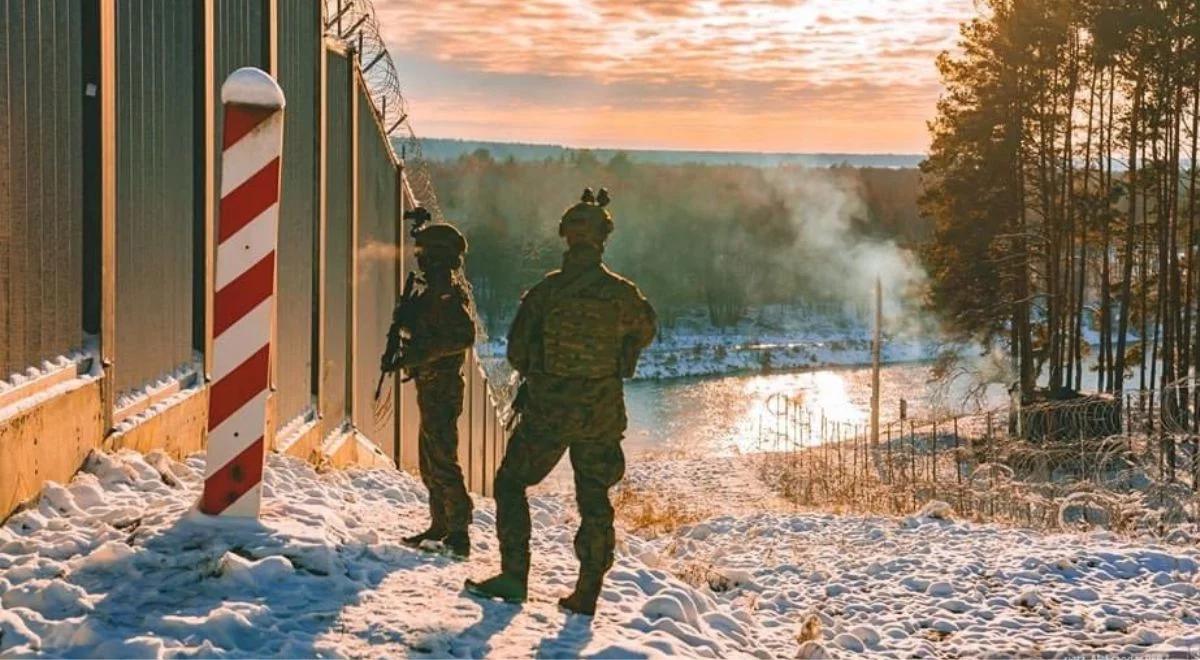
(1179, 402)
(1125, 465)
(354, 23)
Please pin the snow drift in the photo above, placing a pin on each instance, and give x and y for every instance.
(115, 564)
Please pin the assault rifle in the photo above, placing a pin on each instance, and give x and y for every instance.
(399, 333)
(405, 312)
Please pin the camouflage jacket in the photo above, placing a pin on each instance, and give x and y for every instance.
(573, 400)
(442, 331)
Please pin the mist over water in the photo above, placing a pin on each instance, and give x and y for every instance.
(842, 261)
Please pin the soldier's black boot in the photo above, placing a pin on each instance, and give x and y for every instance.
(457, 544)
(508, 588)
(431, 534)
(583, 599)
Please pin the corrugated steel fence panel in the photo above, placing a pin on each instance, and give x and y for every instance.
(41, 193)
(481, 436)
(377, 271)
(410, 421)
(406, 400)
(241, 27)
(335, 329)
(479, 420)
(240, 40)
(159, 202)
(465, 422)
(489, 441)
(155, 191)
(300, 48)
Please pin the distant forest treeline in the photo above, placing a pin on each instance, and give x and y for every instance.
(724, 237)
(450, 149)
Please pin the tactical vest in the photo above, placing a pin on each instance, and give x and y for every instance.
(581, 336)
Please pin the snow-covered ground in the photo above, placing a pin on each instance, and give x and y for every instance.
(114, 564)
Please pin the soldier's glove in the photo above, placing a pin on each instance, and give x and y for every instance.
(519, 403)
(390, 361)
(629, 358)
(521, 400)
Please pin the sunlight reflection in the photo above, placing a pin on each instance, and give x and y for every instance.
(827, 392)
(830, 394)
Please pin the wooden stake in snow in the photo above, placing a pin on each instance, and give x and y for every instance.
(244, 303)
(875, 347)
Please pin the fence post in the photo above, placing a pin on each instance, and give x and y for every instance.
(933, 455)
(990, 440)
(1196, 466)
(1150, 412)
(1048, 419)
(273, 37)
(912, 457)
(853, 461)
(958, 465)
(108, 208)
(244, 303)
(868, 445)
(889, 453)
(1128, 418)
(398, 283)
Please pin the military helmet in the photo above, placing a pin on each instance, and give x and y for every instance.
(442, 238)
(588, 218)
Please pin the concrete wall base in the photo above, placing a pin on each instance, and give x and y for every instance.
(48, 441)
(177, 427)
(48, 438)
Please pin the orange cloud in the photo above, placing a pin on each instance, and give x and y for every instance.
(830, 75)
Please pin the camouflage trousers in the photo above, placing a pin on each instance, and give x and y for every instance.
(598, 463)
(440, 400)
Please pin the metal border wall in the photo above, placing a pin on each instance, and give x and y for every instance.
(156, 60)
(334, 385)
(377, 271)
(41, 182)
(140, 208)
(300, 48)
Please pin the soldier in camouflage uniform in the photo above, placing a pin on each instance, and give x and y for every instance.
(576, 335)
(441, 330)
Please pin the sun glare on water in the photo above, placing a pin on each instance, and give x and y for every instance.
(817, 393)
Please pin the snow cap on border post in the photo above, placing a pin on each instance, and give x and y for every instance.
(252, 86)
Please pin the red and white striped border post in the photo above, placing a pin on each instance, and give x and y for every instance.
(244, 304)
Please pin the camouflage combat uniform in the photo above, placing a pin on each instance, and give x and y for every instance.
(575, 336)
(571, 406)
(441, 337)
(441, 330)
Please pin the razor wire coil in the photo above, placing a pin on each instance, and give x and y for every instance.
(354, 23)
(1078, 466)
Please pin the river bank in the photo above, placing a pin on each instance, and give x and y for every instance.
(771, 339)
(709, 356)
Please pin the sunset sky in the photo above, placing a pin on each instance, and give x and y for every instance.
(746, 75)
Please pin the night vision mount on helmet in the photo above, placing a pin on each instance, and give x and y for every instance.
(588, 217)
